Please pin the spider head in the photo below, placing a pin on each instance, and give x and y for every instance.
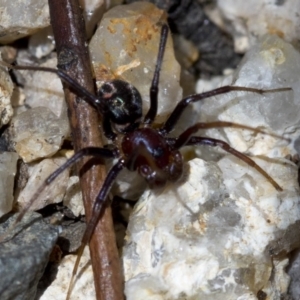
(158, 173)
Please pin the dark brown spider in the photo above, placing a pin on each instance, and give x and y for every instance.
(141, 147)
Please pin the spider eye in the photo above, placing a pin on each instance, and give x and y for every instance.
(155, 179)
(145, 171)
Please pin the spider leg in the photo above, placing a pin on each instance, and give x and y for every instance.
(195, 140)
(151, 114)
(184, 137)
(76, 87)
(97, 211)
(90, 151)
(214, 142)
(175, 115)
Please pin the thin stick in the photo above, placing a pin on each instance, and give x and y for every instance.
(73, 58)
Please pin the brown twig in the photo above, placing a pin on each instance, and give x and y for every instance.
(73, 58)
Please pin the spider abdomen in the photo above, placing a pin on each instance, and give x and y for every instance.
(148, 152)
(123, 100)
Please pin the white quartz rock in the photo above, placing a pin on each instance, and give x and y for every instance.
(252, 19)
(129, 185)
(84, 283)
(6, 90)
(201, 239)
(281, 280)
(73, 196)
(41, 43)
(45, 89)
(38, 173)
(92, 12)
(270, 64)
(19, 18)
(128, 37)
(8, 169)
(38, 133)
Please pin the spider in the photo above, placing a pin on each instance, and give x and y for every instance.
(137, 145)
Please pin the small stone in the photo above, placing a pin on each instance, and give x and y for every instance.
(8, 53)
(73, 197)
(272, 63)
(71, 235)
(280, 283)
(19, 18)
(17, 98)
(38, 133)
(84, 281)
(205, 238)
(8, 169)
(24, 254)
(6, 90)
(93, 11)
(41, 43)
(252, 19)
(45, 89)
(163, 251)
(38, 173)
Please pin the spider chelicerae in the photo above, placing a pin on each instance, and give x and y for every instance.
(137, 145)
